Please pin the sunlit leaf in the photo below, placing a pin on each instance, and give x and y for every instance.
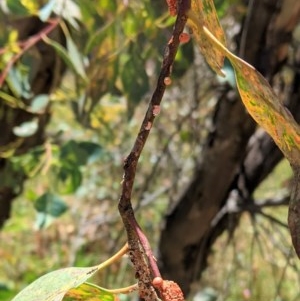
(26, 129)
(13, 44)
(88, 292)
(203, 13)
(131, 23)
(46, 11)
(39, 103)
(53, 286)
(31, 6)
(69, 10)
(109, 5)
(263, 104)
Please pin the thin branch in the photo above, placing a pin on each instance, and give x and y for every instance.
(235, 204)
(26, 45)
(273, 219)
(115, 257)
(140, 251)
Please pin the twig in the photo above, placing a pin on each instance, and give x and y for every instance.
(273, 219)
(26, 45)
(116, 256)
(123, 290)
(140, 252)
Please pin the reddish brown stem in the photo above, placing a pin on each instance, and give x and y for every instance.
(146, 246)
(137, 241)
(25, 46)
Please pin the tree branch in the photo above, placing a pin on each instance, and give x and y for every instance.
(27, 45)
(140, 251)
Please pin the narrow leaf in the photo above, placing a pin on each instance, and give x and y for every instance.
(11, 101)
(76, 57)
(263, 104)
(203, 13)
(53, 286)
(63, 53)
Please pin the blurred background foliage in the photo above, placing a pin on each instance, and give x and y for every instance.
(65, 137)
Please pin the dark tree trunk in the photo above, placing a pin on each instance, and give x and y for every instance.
(46, 74)
(235, 156)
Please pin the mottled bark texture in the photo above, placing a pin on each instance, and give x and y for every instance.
(236, 157)
(46, 72)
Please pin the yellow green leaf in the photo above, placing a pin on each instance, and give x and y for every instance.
(31, 6)
(53, 286)
(203, 13)
(263, 104)
(89, 292)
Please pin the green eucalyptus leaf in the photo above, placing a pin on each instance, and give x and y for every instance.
(53, 286)
(76, 58)
(93, 150)
(67, 178)
(65, 55)
(14, 82)
(80, 153)
(50, 204)
(72, 153)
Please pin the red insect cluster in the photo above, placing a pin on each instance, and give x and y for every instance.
(172, 4)
(169, 290)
